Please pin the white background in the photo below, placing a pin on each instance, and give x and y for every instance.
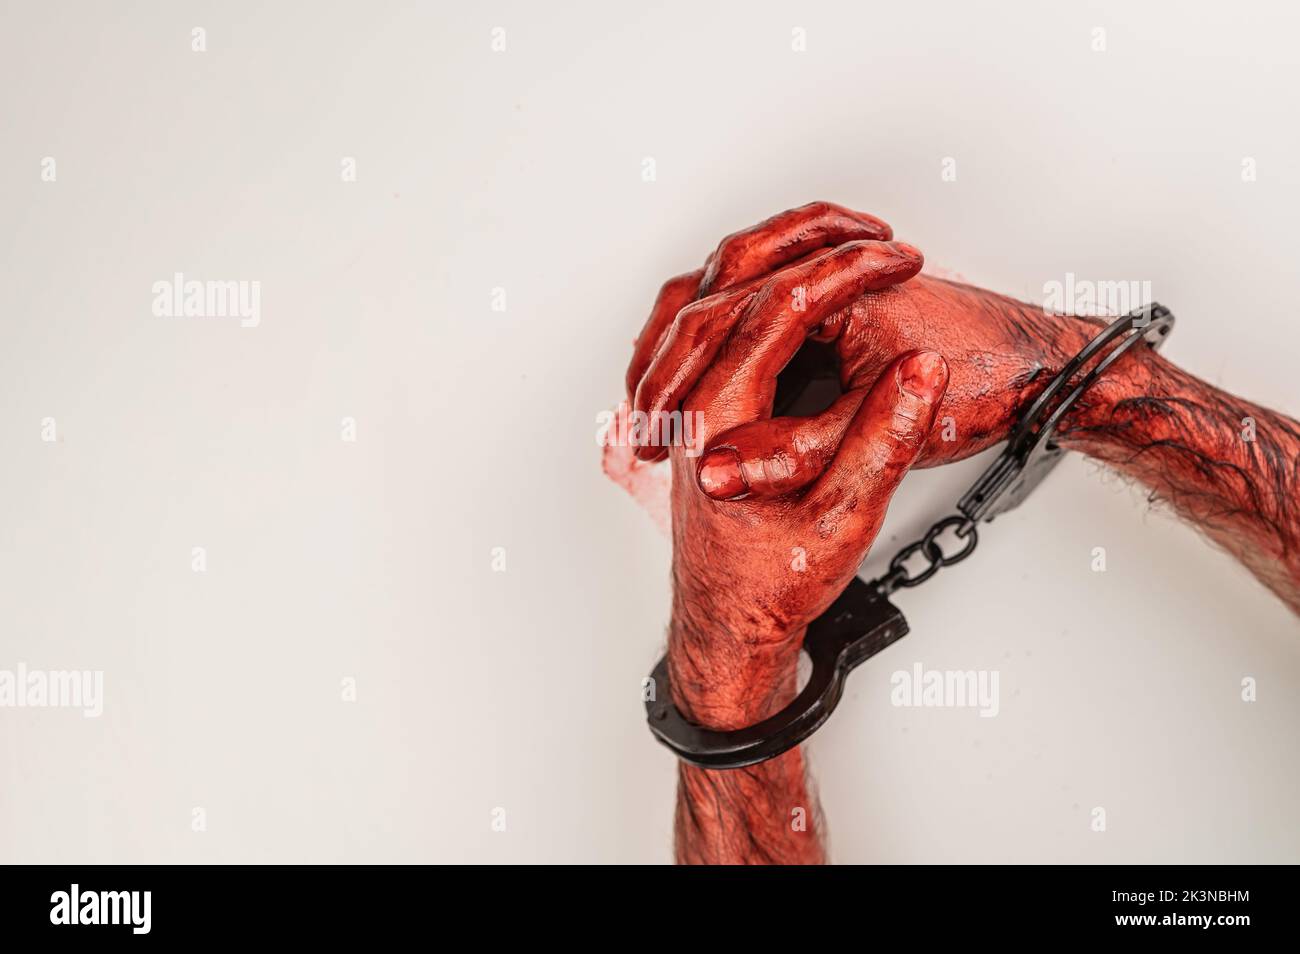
(522, 170)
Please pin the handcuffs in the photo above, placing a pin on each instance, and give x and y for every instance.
(862, 621)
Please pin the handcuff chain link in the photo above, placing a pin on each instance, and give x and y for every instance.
(898, 574)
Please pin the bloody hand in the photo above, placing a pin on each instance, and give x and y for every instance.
(750, 575)
(1000, 352)
(695, 312)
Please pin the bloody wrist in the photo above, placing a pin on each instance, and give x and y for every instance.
(1135, 375)
(728, 672)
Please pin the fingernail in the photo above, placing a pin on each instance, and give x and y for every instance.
(720, 476)
(909, 250)
(923, 375)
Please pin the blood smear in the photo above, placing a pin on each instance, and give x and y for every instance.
(647, 484)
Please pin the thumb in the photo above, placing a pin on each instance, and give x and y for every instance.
(778, 456)
(886, 435)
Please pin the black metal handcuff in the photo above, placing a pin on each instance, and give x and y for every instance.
(862, 621)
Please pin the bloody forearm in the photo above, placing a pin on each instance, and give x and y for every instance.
(1229, 467)
(760, 815)
(763, 814)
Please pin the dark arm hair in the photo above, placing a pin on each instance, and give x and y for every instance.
(1229, 467)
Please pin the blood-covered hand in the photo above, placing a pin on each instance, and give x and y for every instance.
(749, 575)
(695, 312)
(1000, 352)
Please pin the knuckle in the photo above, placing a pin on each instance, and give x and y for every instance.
(692, 319)
(779, 468)
(731, 247)
(903, 429)
(857, 251)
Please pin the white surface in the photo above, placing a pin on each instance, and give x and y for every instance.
(522, 169)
